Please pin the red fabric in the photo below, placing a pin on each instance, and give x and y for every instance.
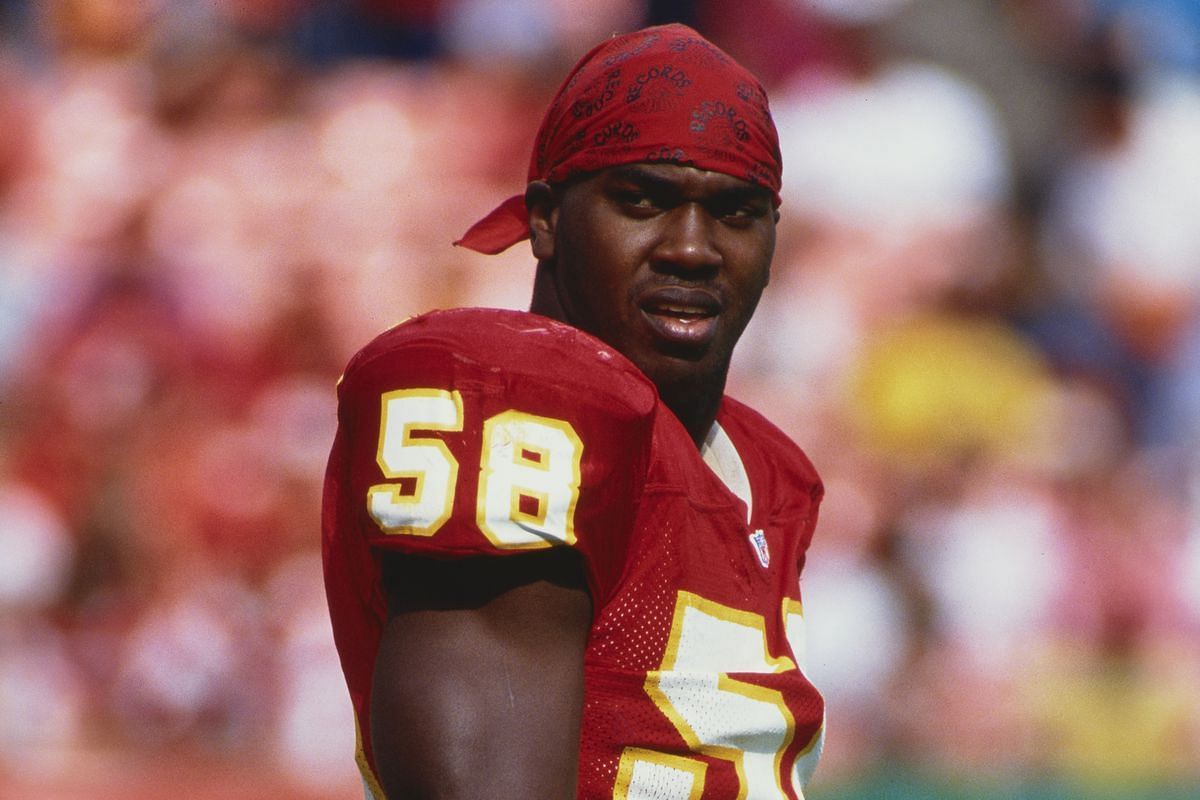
(657, 531)
(661, 94)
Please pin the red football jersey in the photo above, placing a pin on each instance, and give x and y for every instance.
(483, 431)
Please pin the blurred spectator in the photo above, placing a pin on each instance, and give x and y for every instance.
(983, 325)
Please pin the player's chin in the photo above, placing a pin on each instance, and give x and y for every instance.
(680, 354)
(676, 360)
(685, 365)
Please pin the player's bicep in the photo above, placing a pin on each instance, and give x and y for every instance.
(478, 684)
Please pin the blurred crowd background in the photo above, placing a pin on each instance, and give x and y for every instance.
(983, 326)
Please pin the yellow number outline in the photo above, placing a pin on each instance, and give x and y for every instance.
(631, 757)
(532, 533)
(395, 493)
(686, 602)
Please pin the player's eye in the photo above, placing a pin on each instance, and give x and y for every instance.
(636, 200)
(741, 211)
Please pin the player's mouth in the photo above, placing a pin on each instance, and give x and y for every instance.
(681, 317)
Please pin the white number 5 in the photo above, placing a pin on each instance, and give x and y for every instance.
(716, 715)
(529, 468)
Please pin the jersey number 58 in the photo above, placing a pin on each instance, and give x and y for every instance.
(529, 472)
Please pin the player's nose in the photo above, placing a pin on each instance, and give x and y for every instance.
(686, 242)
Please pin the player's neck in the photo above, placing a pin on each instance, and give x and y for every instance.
(695, 406)
(545, 300)
(693, 397)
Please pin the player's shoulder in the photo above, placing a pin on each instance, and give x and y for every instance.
(761, 441)
(518, 349)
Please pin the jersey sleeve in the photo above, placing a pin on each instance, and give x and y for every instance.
(492, 433)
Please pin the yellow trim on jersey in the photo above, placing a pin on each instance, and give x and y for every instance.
(686, 601)
(792, 606)
(364, 768)
(514, 528)
(748, 619)
(407, 487)
(632, 756)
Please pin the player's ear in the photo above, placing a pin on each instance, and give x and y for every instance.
(541, 201)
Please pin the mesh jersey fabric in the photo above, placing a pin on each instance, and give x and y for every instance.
(693, 678)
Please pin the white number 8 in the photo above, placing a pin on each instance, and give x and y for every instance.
(530, 484)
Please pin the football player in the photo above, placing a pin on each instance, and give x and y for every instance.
(560, 562)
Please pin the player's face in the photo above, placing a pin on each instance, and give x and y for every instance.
(665, 263)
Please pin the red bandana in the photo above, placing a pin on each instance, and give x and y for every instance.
(662, 94)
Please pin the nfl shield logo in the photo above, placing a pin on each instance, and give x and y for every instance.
(758, 541)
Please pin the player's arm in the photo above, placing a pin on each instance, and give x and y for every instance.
(492, 460)
(478, 687)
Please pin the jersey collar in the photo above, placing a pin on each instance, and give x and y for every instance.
(723, 459)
